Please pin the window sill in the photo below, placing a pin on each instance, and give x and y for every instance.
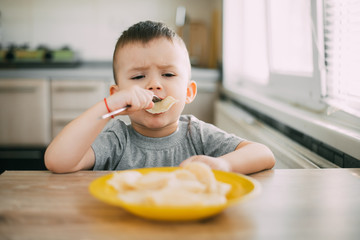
(342, 139)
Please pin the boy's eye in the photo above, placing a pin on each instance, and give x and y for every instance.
(168, 75)
(138, 77)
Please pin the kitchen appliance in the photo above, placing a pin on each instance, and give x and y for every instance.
(23, 57)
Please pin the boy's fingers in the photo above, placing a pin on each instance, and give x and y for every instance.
(135, 99)
(151, 105)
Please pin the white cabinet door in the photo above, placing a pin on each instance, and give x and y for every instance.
(70, 98)
(24, 112)
(77, 94)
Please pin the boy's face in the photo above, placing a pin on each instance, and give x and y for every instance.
(163, 67)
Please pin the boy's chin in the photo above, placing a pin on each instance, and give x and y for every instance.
(154, 121)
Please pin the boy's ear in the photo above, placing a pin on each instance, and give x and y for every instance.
(114, 89)
(191, 92)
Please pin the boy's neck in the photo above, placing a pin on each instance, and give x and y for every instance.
(155, 133)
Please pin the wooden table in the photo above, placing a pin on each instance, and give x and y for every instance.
(294, 204)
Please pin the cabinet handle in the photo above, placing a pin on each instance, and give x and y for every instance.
(17, 89)
(75, 89)
(61, 123)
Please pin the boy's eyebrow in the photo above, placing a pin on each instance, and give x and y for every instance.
(163, 66)
(141, 68)
(138, 68)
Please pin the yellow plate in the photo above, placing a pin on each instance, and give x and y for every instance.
(243, 188)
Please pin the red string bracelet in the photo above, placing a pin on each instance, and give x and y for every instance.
(107, 107)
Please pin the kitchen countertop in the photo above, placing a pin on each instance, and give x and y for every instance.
(293, 204)
(91, 69)
(88, 70)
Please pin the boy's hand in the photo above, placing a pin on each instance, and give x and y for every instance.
(214, 163)
(136, 98)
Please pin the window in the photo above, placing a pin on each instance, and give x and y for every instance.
(342, 54)
(305, 52)
(255, 64)
(290, 36)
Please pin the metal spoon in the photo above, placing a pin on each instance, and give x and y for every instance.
(155, 99)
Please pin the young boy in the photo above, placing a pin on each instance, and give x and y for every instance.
(150, 59)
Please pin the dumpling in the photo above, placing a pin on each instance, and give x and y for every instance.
(163, 105)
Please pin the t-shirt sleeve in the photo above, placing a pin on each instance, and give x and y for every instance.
(215, 141)
(108, 147)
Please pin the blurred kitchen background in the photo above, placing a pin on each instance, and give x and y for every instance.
(91, 27)
(266, 71)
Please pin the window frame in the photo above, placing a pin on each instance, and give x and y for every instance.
(296, 88)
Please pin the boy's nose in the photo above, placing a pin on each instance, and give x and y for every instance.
(154, 84)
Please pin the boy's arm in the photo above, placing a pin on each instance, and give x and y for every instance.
(248, 157)
(71, 150)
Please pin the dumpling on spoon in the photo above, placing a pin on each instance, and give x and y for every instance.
(163, 105)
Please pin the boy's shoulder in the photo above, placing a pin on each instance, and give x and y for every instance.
(194, 122)
(116, 125)
(198, 125)
(189, 119)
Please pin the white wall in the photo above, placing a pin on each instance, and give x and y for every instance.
(90, 27)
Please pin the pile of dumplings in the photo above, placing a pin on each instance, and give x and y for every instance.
(195, 184)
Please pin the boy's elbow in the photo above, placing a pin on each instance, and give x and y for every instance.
(61, 163)
(271, 162)
(52, 163)
(269, 157)
(265, 155)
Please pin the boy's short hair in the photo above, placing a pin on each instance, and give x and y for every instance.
(144, 32)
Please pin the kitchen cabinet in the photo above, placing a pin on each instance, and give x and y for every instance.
(71, 97)
(24, 123)
(33, 111)
(24, 112)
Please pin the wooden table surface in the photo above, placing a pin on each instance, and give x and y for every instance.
(293, 204)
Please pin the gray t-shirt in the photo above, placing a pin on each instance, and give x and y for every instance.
(120, 147)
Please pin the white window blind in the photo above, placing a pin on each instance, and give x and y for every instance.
(342, 54)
